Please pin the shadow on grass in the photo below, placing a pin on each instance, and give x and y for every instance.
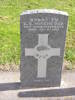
(37, 93)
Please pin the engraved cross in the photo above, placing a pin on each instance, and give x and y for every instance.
(42, 51)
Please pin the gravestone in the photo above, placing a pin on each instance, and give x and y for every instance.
(43, 34)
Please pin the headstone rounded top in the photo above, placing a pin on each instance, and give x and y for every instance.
(52, 11)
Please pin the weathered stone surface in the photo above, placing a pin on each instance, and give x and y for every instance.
(43, 34)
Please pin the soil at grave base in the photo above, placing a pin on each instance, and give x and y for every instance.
(9, 67)
(67, 65)
(13, 67)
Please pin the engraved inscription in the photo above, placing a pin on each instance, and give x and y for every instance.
(43, 24)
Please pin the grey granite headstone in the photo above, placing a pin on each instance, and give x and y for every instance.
(43, 35)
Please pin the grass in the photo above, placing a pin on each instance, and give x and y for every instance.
(10, 26)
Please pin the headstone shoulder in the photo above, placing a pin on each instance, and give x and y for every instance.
(52, 11)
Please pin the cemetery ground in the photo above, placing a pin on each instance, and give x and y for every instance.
(10, 29)
(10, 88)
